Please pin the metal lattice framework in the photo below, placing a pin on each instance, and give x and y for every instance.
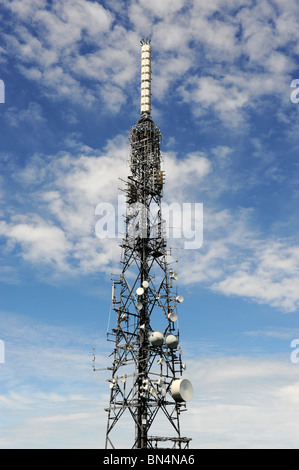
(147, 358)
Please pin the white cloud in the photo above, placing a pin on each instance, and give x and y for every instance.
(25, 8)
(269, 276)
(168, 7)
(65, 188)
(31, 115)
(199, 43)
(41, 241)
(50, 53)
(207, 93)
(242, 402)
(236, 260)
(64, 192)
(169, 68)
(279, 63)
(184, 174)
(59, 230)
(49, 389)
(278, 333)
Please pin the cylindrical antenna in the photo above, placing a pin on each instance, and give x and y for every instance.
(145, 77)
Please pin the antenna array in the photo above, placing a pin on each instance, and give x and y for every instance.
(146, 380)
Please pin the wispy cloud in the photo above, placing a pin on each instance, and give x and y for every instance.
(41, 242)
(221, 88)
(238, 55)
(276, 333)
(236, 398)
(269, 275)
(39, 355)
(237, 261)
(64, 191)
(243, 402)
(31, 115)
(58, 230)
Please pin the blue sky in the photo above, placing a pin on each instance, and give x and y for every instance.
(221, 95)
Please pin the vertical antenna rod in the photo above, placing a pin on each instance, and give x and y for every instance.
(145, 77)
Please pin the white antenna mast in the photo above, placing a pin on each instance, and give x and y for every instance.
(145, 77)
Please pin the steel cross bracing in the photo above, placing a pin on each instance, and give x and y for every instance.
(142, 372)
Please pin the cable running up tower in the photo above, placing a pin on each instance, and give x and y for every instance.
(146, 381)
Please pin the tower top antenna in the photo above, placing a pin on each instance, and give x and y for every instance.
(145, 102)
(145, 41)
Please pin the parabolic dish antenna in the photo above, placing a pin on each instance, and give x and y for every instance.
(171, 341)
(172, 316)
(181, 390)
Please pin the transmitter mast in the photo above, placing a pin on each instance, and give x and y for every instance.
(146, 384)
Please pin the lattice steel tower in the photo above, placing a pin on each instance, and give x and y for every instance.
(147, 388)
